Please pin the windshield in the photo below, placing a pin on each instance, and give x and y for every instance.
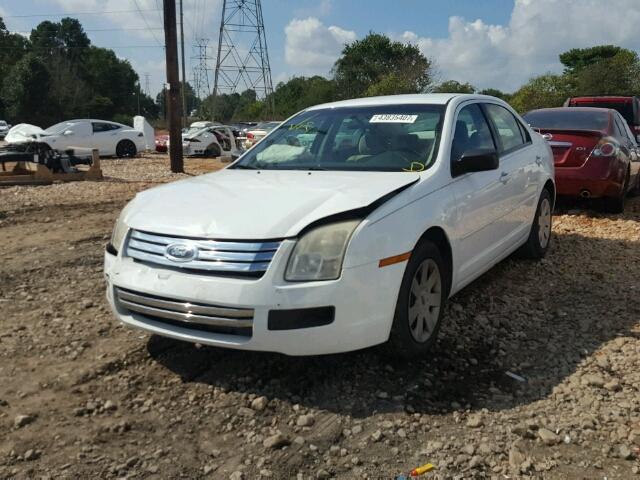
(59, 128)
(3, 123)
(625, 108)
(568, 119)
(389, 138)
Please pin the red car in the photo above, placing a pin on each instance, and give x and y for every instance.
(161, 143)
(628, 107)
(595, 153)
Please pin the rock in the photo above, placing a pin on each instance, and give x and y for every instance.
(207, 469)
(516, 458)
(613, 385)
(625, 452)
(356, 429)
(468, 449)
(322, 474)
(276, 441)
(109, 405)
(548, 437)
(355, 460)
(246, 412)
(22, 420)
(259, 404)
(31, 455)
(306, 420)
(376, 436)
(237, 475)
(592, 380)
(474, 421)
(476, 461)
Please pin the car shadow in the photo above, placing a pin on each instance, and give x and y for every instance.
(537, 320)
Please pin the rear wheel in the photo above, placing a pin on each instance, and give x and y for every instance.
(421, 301)
(540, 234)
(126, 148)
(213, 150)
(616, 204)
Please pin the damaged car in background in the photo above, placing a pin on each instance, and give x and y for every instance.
(348, 226)
(83, 135)
(212, 140)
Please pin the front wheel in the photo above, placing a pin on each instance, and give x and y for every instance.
(421, 301)
(540, 234)
(126, 148)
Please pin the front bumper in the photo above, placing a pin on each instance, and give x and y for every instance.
(364, 300)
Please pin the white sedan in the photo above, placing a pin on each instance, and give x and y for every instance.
(110, 138)
(348, 226)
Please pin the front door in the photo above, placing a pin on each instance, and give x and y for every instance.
(480, 197)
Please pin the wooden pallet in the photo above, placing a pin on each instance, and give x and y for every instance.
(23, 173)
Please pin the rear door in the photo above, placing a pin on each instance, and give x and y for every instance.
(105, 137)
(518, 170)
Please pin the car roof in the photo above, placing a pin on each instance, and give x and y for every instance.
(413, 99)
(603, 99)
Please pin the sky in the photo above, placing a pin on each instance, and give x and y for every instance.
(488, 43)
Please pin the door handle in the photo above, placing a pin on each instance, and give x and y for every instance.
(504, 177)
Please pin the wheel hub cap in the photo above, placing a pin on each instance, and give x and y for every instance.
(544, 223)
(425, 299)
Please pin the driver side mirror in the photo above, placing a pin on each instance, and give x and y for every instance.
(475, 161)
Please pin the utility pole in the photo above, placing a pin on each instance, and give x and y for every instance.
(173, 80)
(184, 77)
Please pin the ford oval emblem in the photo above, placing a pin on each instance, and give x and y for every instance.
(181, 252)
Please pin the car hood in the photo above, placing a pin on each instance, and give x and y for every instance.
(263, 204)
(23, 132)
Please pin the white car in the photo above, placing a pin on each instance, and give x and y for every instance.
(211, 141)
(353, 239)
(4, 128)
(110, 138)
(257, 133)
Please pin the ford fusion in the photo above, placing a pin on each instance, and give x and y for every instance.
(350, 225)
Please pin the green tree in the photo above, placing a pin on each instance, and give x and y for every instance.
(25, 91)
(578, 58)
(617, 75)
(494, 92)
(542, 92)
(377, 60)
(299, 93)
(453, 86)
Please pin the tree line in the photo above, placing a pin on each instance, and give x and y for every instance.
(56, 74)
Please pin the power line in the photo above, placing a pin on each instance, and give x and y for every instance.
(93, 30)
(85, 48)
(145, 22)
(78, 13)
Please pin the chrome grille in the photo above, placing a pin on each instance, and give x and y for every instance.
(212, 255)
(187, 314)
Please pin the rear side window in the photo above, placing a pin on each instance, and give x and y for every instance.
(509, 130)
(99, 127)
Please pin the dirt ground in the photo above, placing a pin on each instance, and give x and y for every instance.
(84, 397)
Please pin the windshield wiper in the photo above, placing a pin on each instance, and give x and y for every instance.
(245, 167)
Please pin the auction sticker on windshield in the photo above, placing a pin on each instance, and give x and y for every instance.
(393, 118)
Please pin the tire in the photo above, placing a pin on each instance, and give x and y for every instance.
(213, 151)
(126, 148)
(540, 234)
(417, 319)
(617, 204)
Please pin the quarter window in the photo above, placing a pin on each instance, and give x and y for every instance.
(471, 132)
(509, 130)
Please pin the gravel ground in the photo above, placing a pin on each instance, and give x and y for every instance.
(83, 397)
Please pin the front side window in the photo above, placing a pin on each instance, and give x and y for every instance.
(471, 132)
(509, 131)
(391, 138)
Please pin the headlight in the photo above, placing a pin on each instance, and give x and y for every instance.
(318, 255)
(119, 232)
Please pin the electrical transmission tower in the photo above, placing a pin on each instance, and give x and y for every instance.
(201, 85)
(147, 91)
(243, 60)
